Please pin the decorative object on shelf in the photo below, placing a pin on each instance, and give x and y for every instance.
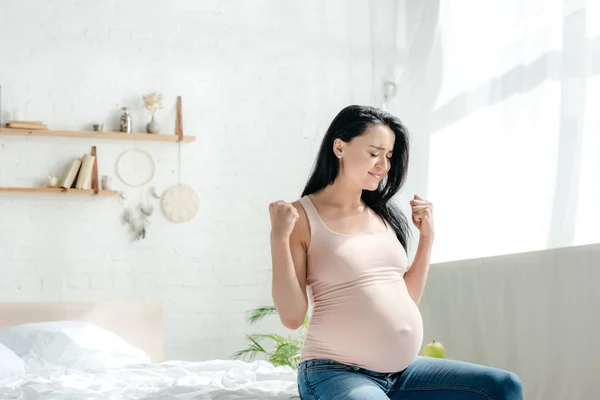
(97, 127)
(153, 126)
(106, 182)
(52, 182)
(135, 167)
(153, 103)
(16, 114)
(125, 125)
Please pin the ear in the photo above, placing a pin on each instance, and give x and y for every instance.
(338, 147)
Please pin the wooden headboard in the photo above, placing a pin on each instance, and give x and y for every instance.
(139, 323)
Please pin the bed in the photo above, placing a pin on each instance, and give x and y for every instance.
(115, 351)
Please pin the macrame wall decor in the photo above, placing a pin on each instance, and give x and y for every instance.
(180, 202)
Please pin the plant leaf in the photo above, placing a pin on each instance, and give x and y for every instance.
(278, 339)
(259, 313)
(286, 354)
(278, 349)
(305, 323)
(251, 351)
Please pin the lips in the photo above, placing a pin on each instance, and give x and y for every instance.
(377, 176)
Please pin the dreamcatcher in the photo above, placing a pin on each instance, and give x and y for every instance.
(179, 202)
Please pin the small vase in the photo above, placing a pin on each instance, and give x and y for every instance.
(153, 126)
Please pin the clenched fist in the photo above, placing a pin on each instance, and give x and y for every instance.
(422, 215)
(283, 218)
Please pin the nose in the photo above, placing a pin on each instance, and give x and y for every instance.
(382, 164)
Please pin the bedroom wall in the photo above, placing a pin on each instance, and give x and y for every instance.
(260, 82)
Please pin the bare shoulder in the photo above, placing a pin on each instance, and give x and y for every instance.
(302, 229)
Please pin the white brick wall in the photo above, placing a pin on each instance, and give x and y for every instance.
(260, 82)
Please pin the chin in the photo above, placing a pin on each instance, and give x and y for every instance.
(371, 187)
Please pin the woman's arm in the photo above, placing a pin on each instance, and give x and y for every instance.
(416, 277)
(288, 254)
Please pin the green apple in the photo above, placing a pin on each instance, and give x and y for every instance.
(434, 349)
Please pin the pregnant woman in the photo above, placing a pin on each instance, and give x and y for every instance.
(345, 242)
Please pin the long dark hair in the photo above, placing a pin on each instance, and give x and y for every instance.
(352, 121)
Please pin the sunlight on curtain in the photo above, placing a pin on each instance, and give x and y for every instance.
(592, 18)
(588, 208)
(510, 100)
(493, 177)
(493, 38)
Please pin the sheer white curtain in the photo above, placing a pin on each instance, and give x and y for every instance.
(503, 101)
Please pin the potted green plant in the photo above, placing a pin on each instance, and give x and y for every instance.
(275, 348)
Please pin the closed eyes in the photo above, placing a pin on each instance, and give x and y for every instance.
(377, 155)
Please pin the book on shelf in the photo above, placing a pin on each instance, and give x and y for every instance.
(70, 173)
(28, 125)
(84, 178)
(78, 174)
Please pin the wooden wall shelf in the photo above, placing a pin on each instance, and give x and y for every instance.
(100, 135)
(95, 189)
(57, 190)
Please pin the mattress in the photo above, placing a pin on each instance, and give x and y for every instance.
(216, 379)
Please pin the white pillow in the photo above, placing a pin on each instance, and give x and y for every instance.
(10, 364)
(70, 344)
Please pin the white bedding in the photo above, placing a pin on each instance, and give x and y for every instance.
(218, 379)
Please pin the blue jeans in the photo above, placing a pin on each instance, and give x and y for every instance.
(424, 379)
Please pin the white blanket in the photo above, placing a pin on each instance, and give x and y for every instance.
(176, 380)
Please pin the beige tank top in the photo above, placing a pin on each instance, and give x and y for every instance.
(362, 313)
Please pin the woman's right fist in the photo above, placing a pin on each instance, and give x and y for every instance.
(283, 218)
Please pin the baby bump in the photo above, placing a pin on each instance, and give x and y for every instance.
(380, 329)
